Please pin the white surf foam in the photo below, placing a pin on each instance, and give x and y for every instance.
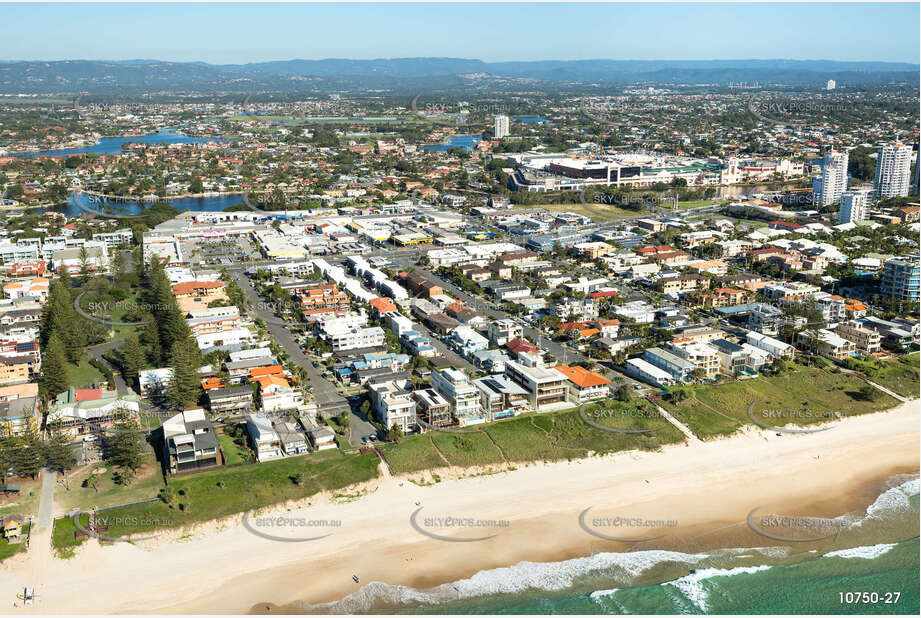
(507, 580)
(867, 552)
(692, 587)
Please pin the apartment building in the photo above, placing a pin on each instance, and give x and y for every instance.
(18, 407)
(454, 385)
(82, 411)
(230, 399)
(343, 335)
(826, 343)
(828, 186)
(853, 206)
(276, 394)
(327, 298)
(433, 408)
(547, 389)
(584, 385)
(14, 369)
(647, 372)
(213, 320)
(678, 368)
(500, 397)
(702, 355)
(683, 283)
(393, 404)
(893, 169)
(504, 330)
(865, 340)
(734, 359)
(189, 442)
(263, 437)
(774, 347)
(902, 278)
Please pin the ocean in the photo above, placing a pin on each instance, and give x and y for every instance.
(874, 552)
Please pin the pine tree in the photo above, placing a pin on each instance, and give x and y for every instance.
(29, 457)
(126, 448)
(54, 369)
(59, 453)
(185, 387)
(150, 338)
(59, 316)
(84, 265)
(133, 359)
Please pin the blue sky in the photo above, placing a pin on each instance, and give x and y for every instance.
(238, 33)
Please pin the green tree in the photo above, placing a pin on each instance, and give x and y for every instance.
(29, 456)
(133, 358)
(395, 434)
(185, 387)
(150, 338)
(54, 369)
(84, 266)
(59, 453)
(125, 448)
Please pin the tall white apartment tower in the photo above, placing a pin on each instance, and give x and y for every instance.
(853, 207)
(501, 126)
(893, 171)
(828, 186)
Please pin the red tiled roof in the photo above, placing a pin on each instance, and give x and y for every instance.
(582, 377)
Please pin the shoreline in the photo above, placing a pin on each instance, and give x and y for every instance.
(709, 488)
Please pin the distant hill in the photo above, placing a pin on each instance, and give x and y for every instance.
(404, 74)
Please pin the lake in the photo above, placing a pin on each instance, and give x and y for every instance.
(113, 145)
(81, 205)
(466, 142)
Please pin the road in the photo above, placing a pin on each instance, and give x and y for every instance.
(328, 398)
(97, 351)
(561, 352)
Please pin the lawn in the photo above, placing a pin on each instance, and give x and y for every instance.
(26, 503)
(8, 549)
(83, 374)
(231, 490)
(145, 485)
(62, 536)
(412, 454)
(233, 452)
(805, 394)
(535, 437)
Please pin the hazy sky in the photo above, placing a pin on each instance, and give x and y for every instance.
(238, 33)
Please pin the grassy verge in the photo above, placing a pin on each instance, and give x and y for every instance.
(899, 374)
(145, 485)
(806, 395)
(535, 437)
(228, 491)
(83, 374)
(26, 503)
(62, 536)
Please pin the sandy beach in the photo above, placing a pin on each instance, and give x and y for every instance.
(705, 491)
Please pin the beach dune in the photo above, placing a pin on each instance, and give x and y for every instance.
(689, 497)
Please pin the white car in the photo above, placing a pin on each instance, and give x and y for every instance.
(90, 438)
